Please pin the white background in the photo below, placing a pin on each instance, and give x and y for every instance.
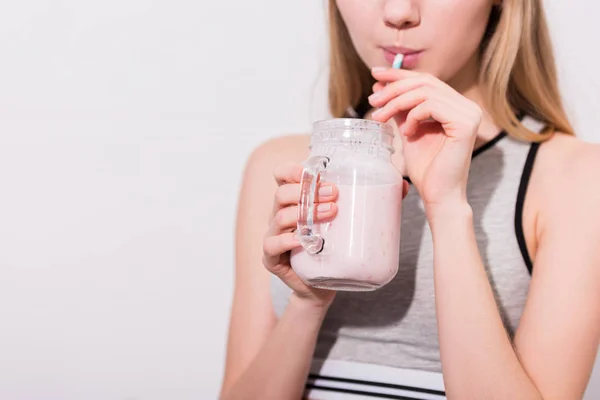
(124, 128)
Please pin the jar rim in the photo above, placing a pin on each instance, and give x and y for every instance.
(357, 124)
(353, 131)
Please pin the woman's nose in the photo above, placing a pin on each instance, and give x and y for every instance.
(401, 14)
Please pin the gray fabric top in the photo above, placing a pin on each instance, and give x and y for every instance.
(396, 325)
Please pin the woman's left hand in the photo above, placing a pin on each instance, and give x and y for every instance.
(438, 127)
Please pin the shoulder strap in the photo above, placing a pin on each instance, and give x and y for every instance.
(535, 126)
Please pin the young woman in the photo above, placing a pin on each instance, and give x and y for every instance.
(499, 280)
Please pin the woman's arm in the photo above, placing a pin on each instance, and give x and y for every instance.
(557, 340)
(478, 360)
(280, 368)
(267, 358)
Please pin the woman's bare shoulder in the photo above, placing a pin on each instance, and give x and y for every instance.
(258, 182)
(565, 176)
(281, 149)
(568, 158)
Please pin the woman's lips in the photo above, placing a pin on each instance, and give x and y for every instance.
(411, 57)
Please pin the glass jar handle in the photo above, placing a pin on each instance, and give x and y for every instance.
(312, 242)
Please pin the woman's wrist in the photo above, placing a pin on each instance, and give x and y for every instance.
(448, 213)
(309, 306)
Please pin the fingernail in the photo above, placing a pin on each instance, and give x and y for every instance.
(326, 190)
(378, 69)
(375, 96)
(324, 207)
(376, 112)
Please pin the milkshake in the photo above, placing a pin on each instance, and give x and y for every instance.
(361, 244)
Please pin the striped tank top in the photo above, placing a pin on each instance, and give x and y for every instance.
(384, 344)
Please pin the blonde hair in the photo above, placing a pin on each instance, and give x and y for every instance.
(518, 71)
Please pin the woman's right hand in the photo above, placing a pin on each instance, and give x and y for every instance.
(280, 238)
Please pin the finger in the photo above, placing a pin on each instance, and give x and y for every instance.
(289, 194)
(287, 218)
(279, 266)
(274, 246)
(424, 112)
(288, 173)
(325, 211)
(284, 220)
(401, 103)
(326, 192)
(383, 74)
(396, 89)
(377, 86)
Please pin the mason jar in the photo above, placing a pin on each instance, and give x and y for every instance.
(359, 249)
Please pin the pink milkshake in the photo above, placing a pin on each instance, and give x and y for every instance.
(362, 243)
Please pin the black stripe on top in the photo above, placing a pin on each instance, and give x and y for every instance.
(360, 392)
(489, 144)
(521, 201)
(369, 385)
(481, 149)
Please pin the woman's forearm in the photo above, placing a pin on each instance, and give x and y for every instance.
(478, 360)
(280, 369)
